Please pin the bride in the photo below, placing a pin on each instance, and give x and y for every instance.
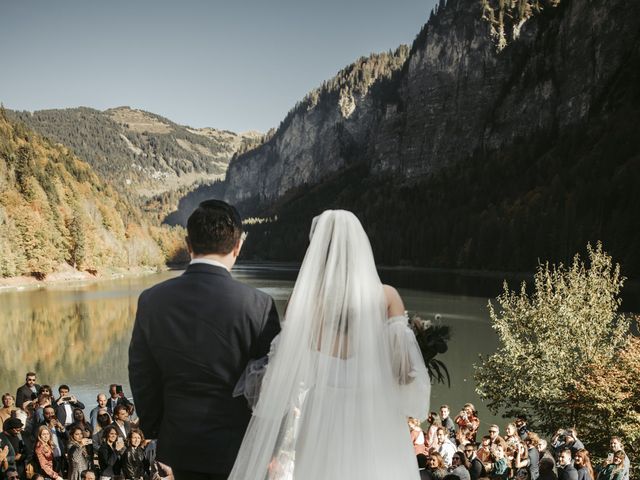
(343, 375)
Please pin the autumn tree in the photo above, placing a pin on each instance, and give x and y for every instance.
(606, 399)
(550, 339)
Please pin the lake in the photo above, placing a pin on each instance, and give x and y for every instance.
(79, 334)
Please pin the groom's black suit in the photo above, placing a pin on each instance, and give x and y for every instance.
(191, 341)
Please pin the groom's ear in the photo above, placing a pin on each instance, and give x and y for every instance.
(188, 242)
(238, 247)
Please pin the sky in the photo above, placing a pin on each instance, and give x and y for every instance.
(235, 65)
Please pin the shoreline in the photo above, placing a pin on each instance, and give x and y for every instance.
(69, 276)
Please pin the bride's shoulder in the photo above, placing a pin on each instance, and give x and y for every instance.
(395, 306)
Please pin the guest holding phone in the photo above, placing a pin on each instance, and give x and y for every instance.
(78, 456)
(110, 454)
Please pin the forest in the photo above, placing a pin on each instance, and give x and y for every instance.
(55, 211)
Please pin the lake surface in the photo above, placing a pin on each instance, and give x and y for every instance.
(79, 334)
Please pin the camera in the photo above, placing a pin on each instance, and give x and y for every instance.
(66, 399)
(119, 389)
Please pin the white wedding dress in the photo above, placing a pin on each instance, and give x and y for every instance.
(342, 378)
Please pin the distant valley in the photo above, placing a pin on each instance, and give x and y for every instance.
(139, 152)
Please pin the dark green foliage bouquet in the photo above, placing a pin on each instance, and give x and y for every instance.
(432, 339)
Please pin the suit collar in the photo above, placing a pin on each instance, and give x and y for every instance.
(206, 268)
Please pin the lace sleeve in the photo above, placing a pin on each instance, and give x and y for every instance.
(408, 367)
(250, 381)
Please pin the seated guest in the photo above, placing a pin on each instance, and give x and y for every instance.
(447, 447)
(43, 400)
(545, 467)
(417, 436)
(117, 398)
(101, 399)
(446, 421)
(79, 420)
(476, 467)
(121, 421)
(78, 456)
(566, 470)
(460, 466)
(28, 391)
(58, 438)
(484, 452)
(582, 462)
(11, 436)
(468, 419)
(532, 442)
(521, 423)
(104, 420)
(133, 459)
(88, 475)
(564, 439)
(614, 470)
(545, 453)
(8, 407)
(462, 437)
(521, 458)
(494, 435)
(499, 469)
(431, 434)
(617, 446)
(65, 404)
(436, 467)
(110, 453)
(511, 435)
(44, 453)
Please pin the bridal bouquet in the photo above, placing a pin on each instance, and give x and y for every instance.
(432, 339)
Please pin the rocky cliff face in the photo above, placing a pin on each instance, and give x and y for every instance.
(326, 132)
(454, 98)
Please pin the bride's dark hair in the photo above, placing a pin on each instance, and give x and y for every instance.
(214, 227)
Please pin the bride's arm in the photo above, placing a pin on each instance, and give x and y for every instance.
(395, 306)
(406, 360)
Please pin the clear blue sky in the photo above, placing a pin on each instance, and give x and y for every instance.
(235, 65)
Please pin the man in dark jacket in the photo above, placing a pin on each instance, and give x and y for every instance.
(11, 435)
(476, 467)
(192, 339)
(28, 391)
(566, 470)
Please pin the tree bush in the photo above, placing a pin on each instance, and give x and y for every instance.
(552, 340)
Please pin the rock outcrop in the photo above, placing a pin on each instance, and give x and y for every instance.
(454, 97)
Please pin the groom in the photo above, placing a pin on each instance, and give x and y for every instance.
(191, 341)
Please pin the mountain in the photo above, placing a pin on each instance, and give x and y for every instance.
(468, 153)
(56, 213)
(137, 151)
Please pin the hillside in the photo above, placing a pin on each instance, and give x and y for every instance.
(137, 151)
(56, 213)
(468, 156)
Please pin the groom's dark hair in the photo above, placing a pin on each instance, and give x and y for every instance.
(214, 227)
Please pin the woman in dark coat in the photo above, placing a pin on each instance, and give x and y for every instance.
(134, 465)
(110, 453)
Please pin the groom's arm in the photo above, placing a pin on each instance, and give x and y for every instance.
(270, 328)
(145, 377)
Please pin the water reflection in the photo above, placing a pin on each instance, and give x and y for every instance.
(79, 334)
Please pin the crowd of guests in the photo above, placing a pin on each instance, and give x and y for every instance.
(49, 436)
(453, 449)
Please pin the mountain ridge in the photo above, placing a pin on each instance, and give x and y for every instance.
(494, 152)
(140, 152)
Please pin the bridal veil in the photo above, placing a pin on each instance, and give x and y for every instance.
(343, 377)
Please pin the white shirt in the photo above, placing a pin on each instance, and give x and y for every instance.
(447, 450)
(208, 261)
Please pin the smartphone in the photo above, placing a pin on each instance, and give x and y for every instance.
(119, 389)
(66, 399)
